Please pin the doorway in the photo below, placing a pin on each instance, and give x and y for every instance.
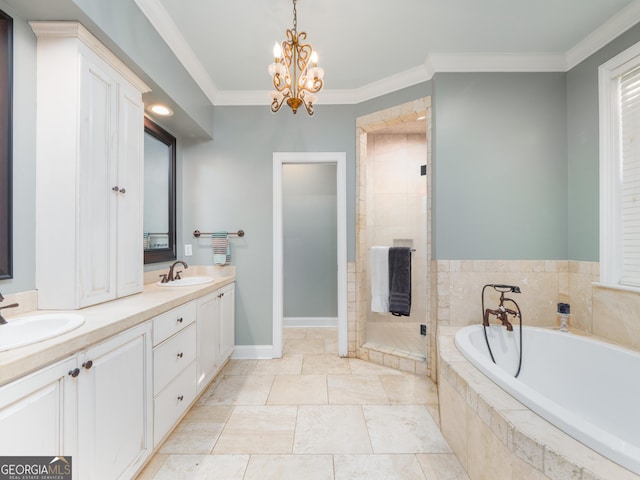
(309, 224)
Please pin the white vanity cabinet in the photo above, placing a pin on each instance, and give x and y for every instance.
(115, 406)
(216, 332)
(38, 413)
(89, 170)
(95, 407)
(174, 367)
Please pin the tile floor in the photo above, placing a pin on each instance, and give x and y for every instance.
(310, 415)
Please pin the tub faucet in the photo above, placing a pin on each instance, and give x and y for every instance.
(13, 305)
(170, 277)
(502, 313)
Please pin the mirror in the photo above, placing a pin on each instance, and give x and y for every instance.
(6, 195)
(159, 194)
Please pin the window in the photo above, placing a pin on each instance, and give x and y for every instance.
(619, 84)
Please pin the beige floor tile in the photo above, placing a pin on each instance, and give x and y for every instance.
(304, 345)
(378, 467)
(409, 389)
(153, 467)
(331, 346)
(203, 467)
(289, 364)
(325, 363)
(403, 429)
(258, 430)
(327, 429)
(328, 333)
(294, 332)
(241, 390)
(444, 466)
(209, 413)
(290, 467)
(192, 438)
(368, 368)
(239, 367)
(356, 390)
(298, 390)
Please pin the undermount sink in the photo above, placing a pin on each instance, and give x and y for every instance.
(35, 328)
(187, 281)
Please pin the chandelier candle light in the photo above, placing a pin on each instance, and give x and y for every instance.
(295, 72)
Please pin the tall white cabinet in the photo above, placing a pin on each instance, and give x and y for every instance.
(89, 170)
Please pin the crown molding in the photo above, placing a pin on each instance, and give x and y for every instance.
(435, 63)
(543, 62)
(167, 29)
(605, 33)
(73, 29)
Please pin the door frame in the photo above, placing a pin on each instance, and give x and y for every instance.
(339, 160)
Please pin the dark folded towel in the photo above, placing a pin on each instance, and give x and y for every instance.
(400, 281)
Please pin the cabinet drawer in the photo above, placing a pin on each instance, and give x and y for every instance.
(172, 402)
(173, 356)
(173, 321)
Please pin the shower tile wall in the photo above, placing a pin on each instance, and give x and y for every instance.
(396, 216)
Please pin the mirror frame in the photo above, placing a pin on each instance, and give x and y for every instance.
(165, 254)
(6, 146)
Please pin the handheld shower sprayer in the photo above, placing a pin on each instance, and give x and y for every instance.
(502, 313)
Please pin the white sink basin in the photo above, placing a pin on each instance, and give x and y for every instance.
(35, 328)
(187, 281)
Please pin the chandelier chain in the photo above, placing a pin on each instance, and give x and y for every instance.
(295, 18)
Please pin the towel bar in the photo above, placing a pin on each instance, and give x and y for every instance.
(198, 233)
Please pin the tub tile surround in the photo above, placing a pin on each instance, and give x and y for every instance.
(495, 436)
(103, 320)
(611, 314)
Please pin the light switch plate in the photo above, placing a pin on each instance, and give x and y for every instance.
(187, 250)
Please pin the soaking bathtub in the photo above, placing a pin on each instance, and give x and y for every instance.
(587, 388)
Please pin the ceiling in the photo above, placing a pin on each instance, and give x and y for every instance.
(364, 44)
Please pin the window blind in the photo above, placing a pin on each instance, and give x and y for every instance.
(629, 88)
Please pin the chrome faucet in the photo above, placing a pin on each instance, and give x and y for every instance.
(13, 305)
(170, 277)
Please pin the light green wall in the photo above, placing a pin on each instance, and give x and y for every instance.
(228, 186)
(583, 149)
(499, 173)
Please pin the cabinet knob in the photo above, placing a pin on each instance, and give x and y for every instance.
(88, 364)
(116, 188)
(75, 372)
(122, 190)
(180, 355)
(180, 320)
(181, 398)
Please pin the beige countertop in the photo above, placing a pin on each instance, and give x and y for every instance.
(106, 320)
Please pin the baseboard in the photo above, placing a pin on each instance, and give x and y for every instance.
(252, 352)
(310, 322)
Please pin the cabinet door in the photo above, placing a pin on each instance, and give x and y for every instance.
(97, 178)
(115, 405)
(129, 181)
(227, 322)
(208, 333)
(38, 413)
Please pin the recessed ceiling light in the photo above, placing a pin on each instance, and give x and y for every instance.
(159, 109)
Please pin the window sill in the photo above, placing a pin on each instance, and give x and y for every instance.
(622, 288)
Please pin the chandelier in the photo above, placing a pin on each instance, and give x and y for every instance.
(295, 72)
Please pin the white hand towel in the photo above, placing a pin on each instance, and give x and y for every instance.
(380, 279)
